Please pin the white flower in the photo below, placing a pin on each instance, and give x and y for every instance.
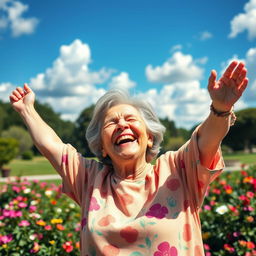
(71, 205)
(35, 215)
(27, 190)
(48, 193)
(34, 202)
(58, 210)
(32, 237)
(222, 209)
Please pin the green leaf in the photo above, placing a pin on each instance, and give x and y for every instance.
(136, 254)
(148, 242)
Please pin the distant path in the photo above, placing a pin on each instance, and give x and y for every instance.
(57, 176)
(34, 177)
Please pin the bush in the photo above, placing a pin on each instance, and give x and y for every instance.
(36, 219)
(229, 214)
(27, 155)
(9, 148)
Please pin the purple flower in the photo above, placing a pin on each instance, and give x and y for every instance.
(157, 211)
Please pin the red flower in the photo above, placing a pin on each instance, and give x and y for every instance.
(68, 247)
(229, 248)
(250, 245)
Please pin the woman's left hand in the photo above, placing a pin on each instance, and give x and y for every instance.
(229, 88)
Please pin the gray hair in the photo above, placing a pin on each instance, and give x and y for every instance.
(115, 97)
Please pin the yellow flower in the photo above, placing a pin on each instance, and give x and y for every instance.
(4, 245)
(56, 221)
(52, 242)
(206, 235)
(41, 223)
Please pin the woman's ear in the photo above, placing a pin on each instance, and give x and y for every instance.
(104, 154)
(150, 141)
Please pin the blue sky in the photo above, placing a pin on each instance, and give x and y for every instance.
(71, 52)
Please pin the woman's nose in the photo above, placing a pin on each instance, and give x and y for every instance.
(122, 123)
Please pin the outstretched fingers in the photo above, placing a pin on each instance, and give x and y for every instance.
(241, 76)
(212, 80)
(228, 72)
(243, 85)
(237, 71)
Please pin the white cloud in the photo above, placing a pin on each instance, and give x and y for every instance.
(184, 102)
(205, 35)
(250, 60)
(122, 81)
(176, 47)
(69, 85)
(245, 21)
(12, 17)
(178, 68)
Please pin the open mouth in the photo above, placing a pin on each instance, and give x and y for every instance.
(124, 139)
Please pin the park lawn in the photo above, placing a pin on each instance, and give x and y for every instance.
(40, 165)
(37, 166)
(242, 157)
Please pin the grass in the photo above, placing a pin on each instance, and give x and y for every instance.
(242, 157)
(38, 166)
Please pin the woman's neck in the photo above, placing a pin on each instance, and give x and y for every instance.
(129, 169)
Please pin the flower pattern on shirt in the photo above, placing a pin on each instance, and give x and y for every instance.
(164, 249)
(157, 211)
(94, 205)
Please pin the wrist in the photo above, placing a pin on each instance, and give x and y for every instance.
(221, 108)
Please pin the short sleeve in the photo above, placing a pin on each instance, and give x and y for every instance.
(74, 173)
(194, 176)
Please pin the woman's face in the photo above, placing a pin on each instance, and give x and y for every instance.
(124, 134)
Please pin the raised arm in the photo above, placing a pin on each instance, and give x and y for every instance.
(224, 94)
(45, 139)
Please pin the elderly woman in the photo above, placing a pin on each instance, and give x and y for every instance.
(129, 206)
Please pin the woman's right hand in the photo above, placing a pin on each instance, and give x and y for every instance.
(21, 98)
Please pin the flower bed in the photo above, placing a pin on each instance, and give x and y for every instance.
(229, 214)
(35, 219)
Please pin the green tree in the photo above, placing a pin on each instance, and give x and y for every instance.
(82, 123)
(9, 149)
(21, 135)
(2, 117)
(174, 143)
(242, 135)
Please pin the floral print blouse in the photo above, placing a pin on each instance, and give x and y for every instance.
(156, 213)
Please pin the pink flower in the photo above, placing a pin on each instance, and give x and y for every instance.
(207, 207)
(22, 205)
(35, 248)
(48, 227)
(94, 205)
(5, 239)
(164, 249)
(16, 189)
(249, 194)
(157, 211)
(32, 208)
(24, 223)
